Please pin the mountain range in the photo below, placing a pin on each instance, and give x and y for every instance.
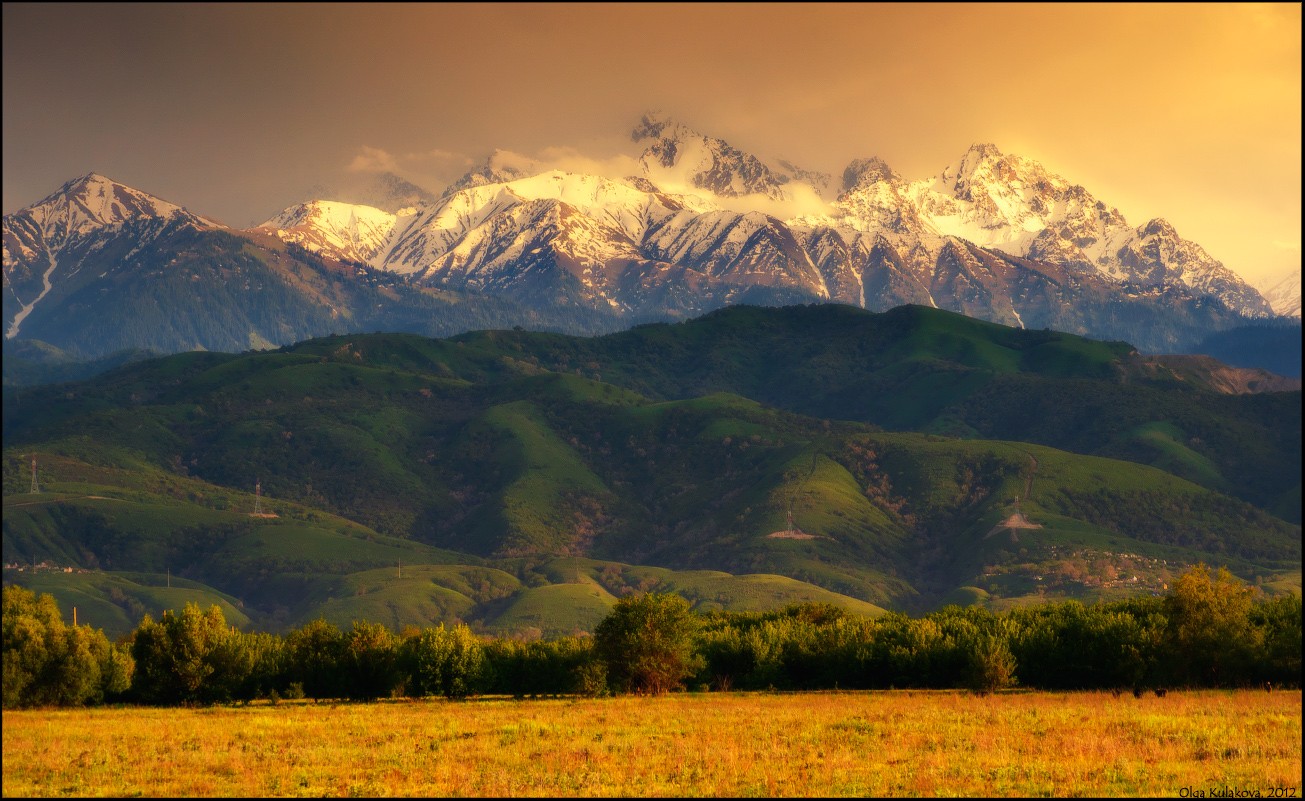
(98, 267)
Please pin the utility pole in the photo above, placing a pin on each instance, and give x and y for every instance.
(35, 487)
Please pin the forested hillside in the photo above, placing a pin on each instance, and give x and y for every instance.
(752, 457)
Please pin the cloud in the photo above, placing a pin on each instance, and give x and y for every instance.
(799, 200)
(373, 159)
(438, 157)
(568, 159)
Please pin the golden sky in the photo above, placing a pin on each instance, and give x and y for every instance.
(1188, 112)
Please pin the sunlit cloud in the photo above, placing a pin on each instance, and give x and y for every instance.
(568, 159)
(373, 159)
(438, 157)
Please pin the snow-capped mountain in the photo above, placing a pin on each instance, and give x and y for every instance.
(46, 245)
(1014, 207)
(992, 235)
(99, 267)
(339, 230)
(702, 224)
(1283, 293)
(682, 161)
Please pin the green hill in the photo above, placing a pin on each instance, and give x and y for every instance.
(689, 447)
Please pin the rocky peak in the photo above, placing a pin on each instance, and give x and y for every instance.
(679, 159)
(984, 164)
(864, 172)
(817, 180)
(984, 151)
(1159, 227)
(652, 125)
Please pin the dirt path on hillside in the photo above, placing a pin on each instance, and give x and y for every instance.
(1017, 519)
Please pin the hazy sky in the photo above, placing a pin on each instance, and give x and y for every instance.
(1189, 112)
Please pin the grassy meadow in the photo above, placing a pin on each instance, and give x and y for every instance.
(739, 744)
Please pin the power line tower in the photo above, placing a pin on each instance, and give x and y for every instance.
(35, 486)
(258, 497)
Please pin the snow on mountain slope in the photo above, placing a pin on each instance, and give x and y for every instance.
(46, 244)
(338, 230)
(581, 235)
(733, 222)
(83, 206)
(1007, 202)
(1014, 205)
(1156, 257)
(709, 173)
(994, 235)
(1283, 293)
(462, 219)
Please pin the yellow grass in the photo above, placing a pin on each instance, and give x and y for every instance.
(840, 744)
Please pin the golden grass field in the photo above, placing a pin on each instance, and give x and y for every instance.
(737, 744)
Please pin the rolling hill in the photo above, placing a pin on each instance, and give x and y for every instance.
(746, 459)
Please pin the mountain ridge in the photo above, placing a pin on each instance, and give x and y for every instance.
(992, 235)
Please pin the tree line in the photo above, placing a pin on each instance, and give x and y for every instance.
(1210, 630)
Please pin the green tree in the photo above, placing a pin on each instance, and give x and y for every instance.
(267, 656)
(47, 662)
(369, 661)
(993, 665)
(447, 662)
(313, 656)
(191, 657)
(1210, 634)
(647, 642)
(1279, 621)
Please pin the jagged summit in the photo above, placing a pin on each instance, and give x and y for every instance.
(1158, 227)
(87, 179)
(653, 124)
(682, 161)
(984, 150)
(698, 223)
(864, 172)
